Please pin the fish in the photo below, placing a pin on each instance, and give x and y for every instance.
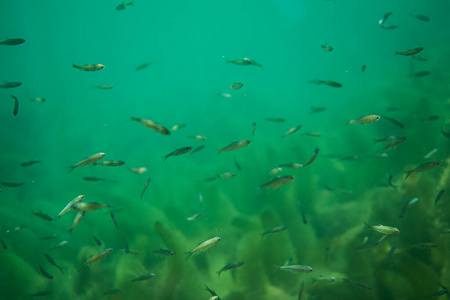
(424, 246)
(387, 139)
(110, 163)
(395, 142)
(393, 121)
(277, 182)
(87, 161)
(196, 215)
(302, 213)
(322, 278)
(431, 153)
(275, 120)
(227, 175)
(114, 220)
(145, 187)
(422, 167)
(102, 87)
(204, 246)
(144, 277)
(140, 170)
(96, 257)
(128, 251)
(300, 292)
(12, 42)
(420, 74)
(89, 68)
(41, 100)
(386, 230)
(52, 262)
(236, 163)
(176, 127)
(197, 137)
(97, 241)
(366, 246)
(42, 216)
(112, 292)
(93, 178)
(235, 146)
(291, 166)
(275, 171)
(292, 130)
(177, 152)
(253, 129)
(88, 206)
(409, 52)
(244, 62)
(164, 252)
(30, 163)
(436, 294)
(327, 82)
(48, 237)
(152, 125)
(77, 220)
(69, 205)
(313, 157)
(446, 134)
(365, 119)
(213, 293)
(390, 27)
(313, 134)
(11, 184)
(431, 118)
(41, 294)
(230, 266)
(295, 268)
(357, 283)
(196, 149)
(143, 66)
(10, 85)
(45, 273)
(390, 182)
(420, 17)
(439, 195)
(4, 246)
(273, 230)
(363, 68)
(327, 48)
(316, 109)
(16, 105)
(236, 86)
(384, 18)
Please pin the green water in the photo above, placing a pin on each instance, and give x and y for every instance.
(188, 44)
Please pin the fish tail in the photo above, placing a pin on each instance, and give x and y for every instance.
(189, 254)
(408, 173)
(75, 66)
(397, 53)
(71, 169)
(218, 273)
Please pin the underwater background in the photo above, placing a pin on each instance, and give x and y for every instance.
(193, 49)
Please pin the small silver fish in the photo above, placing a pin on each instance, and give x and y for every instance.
(204, 246)
(295, 268)
(235, 146)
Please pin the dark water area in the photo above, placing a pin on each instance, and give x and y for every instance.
(190, 53)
